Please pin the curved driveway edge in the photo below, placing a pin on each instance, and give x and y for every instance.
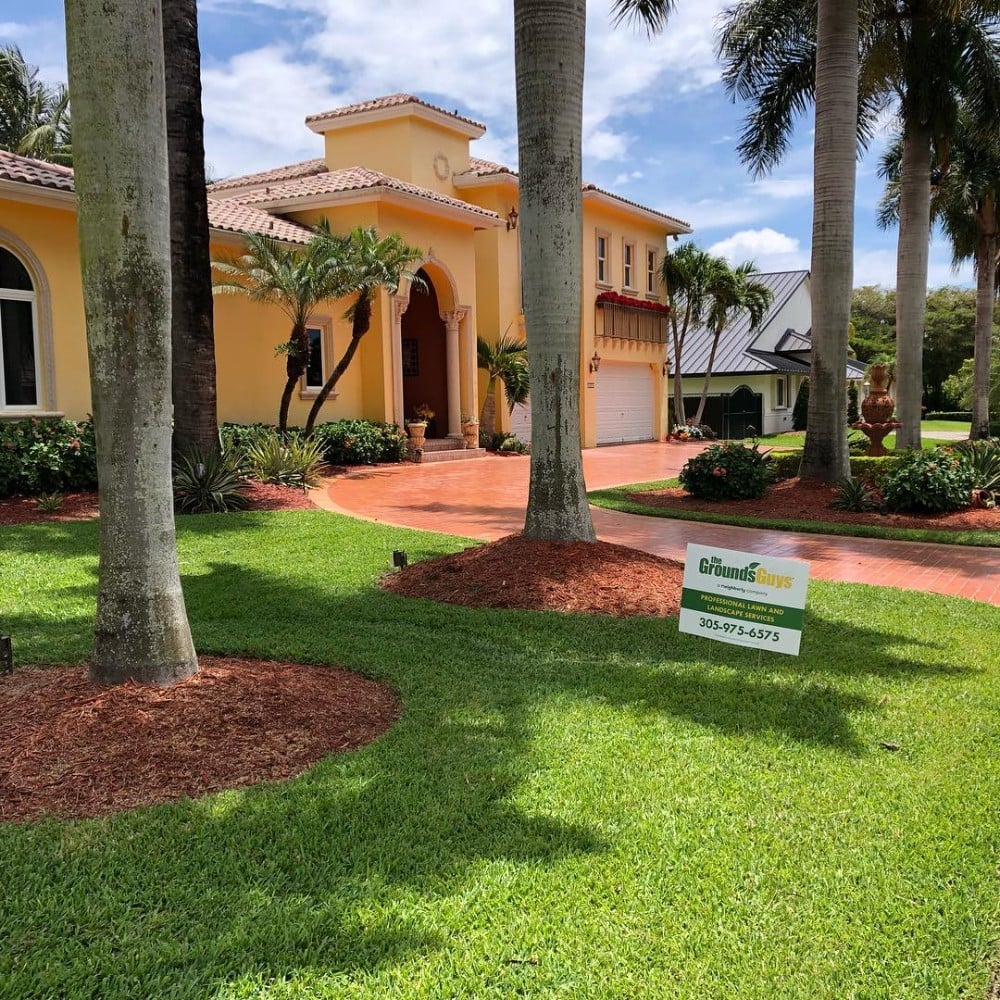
(485, 498)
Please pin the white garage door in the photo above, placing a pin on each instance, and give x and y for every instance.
(625, 402)
(520, 422)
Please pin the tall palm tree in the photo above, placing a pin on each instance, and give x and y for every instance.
(196, 422)
(506, 364)
(964, 201)
(923, 56)
(687, 274)
(34, 116)
(731, 291)
(296, 280)
(141, 630)
(370, 263)
(549, 59)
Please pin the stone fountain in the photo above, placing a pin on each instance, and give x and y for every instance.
(877, 408)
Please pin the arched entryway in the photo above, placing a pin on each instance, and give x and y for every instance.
(425, 357)
(434, 351)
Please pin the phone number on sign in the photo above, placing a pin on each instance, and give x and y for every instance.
(751, 633)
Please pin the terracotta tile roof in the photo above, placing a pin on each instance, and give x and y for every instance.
(635, 204)
(232, 216)
(390, 101)
(226, 215)
(354, 179)
(483, 168)
(292, 170)
(37, 172)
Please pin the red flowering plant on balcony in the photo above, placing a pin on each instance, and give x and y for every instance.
(617, 299)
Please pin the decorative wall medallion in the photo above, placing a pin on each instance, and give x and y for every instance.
(441, 166)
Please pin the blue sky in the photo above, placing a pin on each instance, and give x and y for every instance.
(659, 128)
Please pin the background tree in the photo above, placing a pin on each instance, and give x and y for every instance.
(549, 60)
(296, 279)
(34, 116)
(370, 263)
(506, 364)
(115, 56)
(873, 317)
(732, 291)
(196, 422)
(687, 274)
(922, 55)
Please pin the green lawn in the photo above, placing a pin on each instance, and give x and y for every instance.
(795, 439)
(570, 806)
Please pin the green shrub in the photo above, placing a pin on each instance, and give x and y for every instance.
(874, 468)
(360, 442)
(929, 481)
(208, 484)
(784, 464)
(292, 461)
(503, 441)
(241, 436)
(855, 494)
(853, 413)
(728, 471)
(800, 411)
(46, 456)
(954, 415)
(983, 458)
(49, 503)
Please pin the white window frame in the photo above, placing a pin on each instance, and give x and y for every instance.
(602, 264)
(15, 295)
(781, 388)
(325, 325)
(652, 268)
(628, 265)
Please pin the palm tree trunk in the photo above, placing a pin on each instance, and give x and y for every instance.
(911, 280)
(549, 57)
(986, 255)
(825, 454)
(359, 327)
(295, 367)
(115, 56)
(488, 414)
(678, 342)
(196, 423)
(708, 378)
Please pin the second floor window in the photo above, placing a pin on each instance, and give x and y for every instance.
(602, 259)
(628, 265)
(651, 269)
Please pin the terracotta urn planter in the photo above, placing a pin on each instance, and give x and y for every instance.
(470, 431)
(418, 433)
(878, 405)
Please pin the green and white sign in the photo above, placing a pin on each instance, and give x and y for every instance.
(744, 599)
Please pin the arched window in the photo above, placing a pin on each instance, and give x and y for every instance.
(18, 335)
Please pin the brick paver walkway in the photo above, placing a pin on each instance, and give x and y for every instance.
(486, 499)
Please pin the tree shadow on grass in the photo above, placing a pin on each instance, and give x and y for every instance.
(339, 872)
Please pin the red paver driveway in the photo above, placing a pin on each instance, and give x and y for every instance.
(486, 499)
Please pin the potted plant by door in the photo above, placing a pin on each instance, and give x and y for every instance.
(422, 416)
(470, 431)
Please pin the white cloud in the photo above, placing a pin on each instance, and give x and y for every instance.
(769, 249)
(627, 177)
(877, 266)
(785, 188)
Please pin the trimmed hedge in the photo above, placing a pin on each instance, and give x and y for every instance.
(46, 456)
(785, 465)
(956, 415)
(361, 442)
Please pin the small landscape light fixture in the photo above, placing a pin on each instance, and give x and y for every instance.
(595, 363)
(6, 655)
(399, 559)
(512, 219)
(199, 471)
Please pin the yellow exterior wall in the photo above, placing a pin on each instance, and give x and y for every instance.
(403, 147)
(51, 234)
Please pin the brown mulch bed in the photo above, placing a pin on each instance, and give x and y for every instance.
(73, 749)
(83, 506)
(808, 500)
(515, 572)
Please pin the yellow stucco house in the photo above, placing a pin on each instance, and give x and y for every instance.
(399, 164)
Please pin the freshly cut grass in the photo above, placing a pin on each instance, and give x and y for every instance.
(570, 806)
(619, 498)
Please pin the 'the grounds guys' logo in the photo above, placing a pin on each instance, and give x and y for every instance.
(751, 573)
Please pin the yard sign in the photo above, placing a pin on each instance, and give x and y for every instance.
(744, 599)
